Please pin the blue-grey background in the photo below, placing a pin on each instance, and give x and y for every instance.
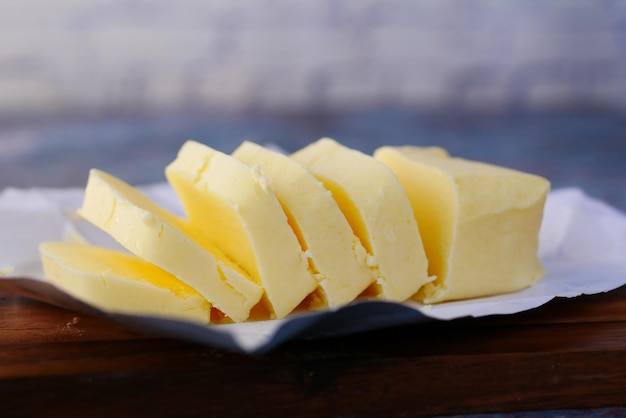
(119, 85)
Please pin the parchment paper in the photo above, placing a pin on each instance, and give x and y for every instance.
(582, 245)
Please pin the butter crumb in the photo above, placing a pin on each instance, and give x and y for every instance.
(147, 218)
(258, 177)
(70, 326)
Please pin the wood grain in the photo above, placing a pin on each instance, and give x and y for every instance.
(566, 354)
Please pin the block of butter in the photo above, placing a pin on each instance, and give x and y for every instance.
(377, 209)
(159, 237)
(230, 204)
(479, 222)
(335, 254)
(115, 281)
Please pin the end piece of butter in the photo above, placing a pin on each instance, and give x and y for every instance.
(479, 222)
(118, 282)
(159, 237)
(230, 204)
(377, 209)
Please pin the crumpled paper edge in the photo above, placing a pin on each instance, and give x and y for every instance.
(582, 243)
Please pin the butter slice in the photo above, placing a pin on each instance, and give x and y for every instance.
(335, 254)
(231, 205)
(479, 222)
(115, 281)
(375, 205)
(159, 237)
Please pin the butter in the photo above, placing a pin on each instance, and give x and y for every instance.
(163, 239)
(377, 209)
(479, 222)
(335, 254)
(118, 282)
(231, 205)
(5, 271)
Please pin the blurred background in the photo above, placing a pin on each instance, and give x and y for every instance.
(120, 85)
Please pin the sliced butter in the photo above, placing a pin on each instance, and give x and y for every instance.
(161, 238)
(335, 254)
(375, 205)
(115, 281)
(230, 204)
(479, 222)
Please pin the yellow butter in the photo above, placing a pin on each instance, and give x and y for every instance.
(115, 281)
(163, 239)
(336, 256)
(375, 205)
(6, 271)
(479, 222)
(231, 204)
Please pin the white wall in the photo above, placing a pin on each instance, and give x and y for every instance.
(68, 56)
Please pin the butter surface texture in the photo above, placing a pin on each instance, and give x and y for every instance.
(231, 205)
(375, 205)
(479, 222)
(336, 255)
(161, 238)
(115, 281)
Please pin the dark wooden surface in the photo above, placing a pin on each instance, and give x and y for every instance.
(566, 354)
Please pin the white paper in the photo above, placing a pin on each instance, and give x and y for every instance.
(582, 245)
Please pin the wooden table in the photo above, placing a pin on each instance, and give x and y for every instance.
(566, 354)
